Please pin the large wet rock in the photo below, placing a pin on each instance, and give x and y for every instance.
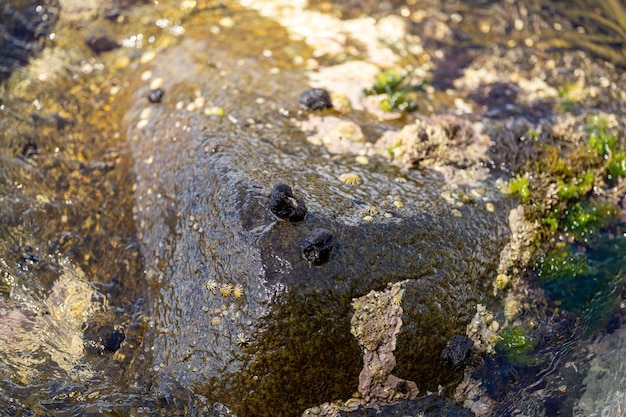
(240, 315)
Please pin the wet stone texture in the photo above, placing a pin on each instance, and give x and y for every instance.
(240, 315)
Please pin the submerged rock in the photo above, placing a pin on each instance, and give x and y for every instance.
(205, 225)
(457, 351)
(101, 43)
(315, 99)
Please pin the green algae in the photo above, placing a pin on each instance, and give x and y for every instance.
(557, 188)
(607, 145)
(575, 188)
(517, 346)
(520, 186)
(586, 281)
(584, 218)
(397, 88)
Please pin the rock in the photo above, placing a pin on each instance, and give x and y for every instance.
(156, 95)
(206, 218)
(315, 99)
(429, 406)
(457, 351)
(318, 247)
(375, 324)
(114, 342)
(285, 205)
(101, 43)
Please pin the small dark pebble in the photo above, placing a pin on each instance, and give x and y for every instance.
(115, 341)
(315, 99)
(457, 351)
(100, 44)
(318, 246)
(285, 206)
(156, 95)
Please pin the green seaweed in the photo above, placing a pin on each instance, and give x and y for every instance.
(601, 139)
(585, 218)
(394, 85)
(562, 262)
(575, 189)
(519, 185)
(517, 346)
(586, 281)
(398, 102)
(617, 165)
(599, 160)
(606, 144)
(386, 83)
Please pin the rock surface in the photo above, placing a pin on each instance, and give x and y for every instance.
(202, 209)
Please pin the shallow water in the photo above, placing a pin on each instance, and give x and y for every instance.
(72, 265)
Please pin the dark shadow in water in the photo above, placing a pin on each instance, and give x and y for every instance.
(23, 27)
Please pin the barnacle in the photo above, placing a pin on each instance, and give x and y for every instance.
(238, 291)
(351, 178)
(215, 321)
(502, 281)
(211, 285)
(512, 309)
(226, 290)
(242, 339)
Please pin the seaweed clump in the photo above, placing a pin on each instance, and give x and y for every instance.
(397, 91)
(586, 281)
(563, 190)
(517, 346)
(570, 197)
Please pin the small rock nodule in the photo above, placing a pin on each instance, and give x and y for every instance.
(156, 95)
(285, 205)
(318, 247)
(115, 341)
(315, 99)
(457, 351)
(100, 44)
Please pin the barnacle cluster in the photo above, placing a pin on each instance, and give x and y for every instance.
(226, 289)
(375, 324)
(439, 140)
(502, 281)
(512, 309)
